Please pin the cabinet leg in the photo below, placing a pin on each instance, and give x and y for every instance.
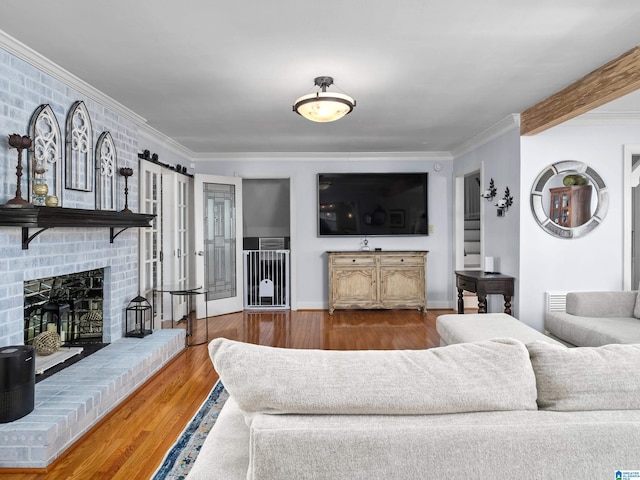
(507, 304)
(460, 302)
(482, 304)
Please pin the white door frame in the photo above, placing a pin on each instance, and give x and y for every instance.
(293, 302)
(628, 183)
(458, 222)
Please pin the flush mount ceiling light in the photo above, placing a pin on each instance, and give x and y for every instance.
(323, 106)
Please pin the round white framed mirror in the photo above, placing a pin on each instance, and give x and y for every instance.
(556, 200)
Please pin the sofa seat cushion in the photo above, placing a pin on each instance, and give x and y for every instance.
(225, 452)
(523, 445)
(483, 376)
(592, 331)
(586, 378)
(476, 327)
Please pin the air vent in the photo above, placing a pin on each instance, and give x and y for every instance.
(556, 301)
(271, 243)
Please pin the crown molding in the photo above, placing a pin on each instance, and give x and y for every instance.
(30, 56)
(323, 156)
(146, 132)
(506, 124)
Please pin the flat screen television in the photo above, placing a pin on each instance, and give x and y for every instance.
(373, 204)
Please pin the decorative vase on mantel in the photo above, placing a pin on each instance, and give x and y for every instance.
(39, 190)
(39, 187)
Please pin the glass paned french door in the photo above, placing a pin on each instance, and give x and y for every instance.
(218, 230)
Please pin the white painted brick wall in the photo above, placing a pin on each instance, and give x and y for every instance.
(57, 251)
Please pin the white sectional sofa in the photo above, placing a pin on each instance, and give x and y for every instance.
(490, 409)
(592, 319)
(475, 327)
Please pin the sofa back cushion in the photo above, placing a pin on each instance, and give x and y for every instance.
(586, 378)
(636, 308)
(601, 304)
(484, 376)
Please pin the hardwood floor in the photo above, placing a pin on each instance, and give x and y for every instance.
(131, 442)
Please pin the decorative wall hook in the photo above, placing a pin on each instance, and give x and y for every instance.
(490, 192)
(504, 203)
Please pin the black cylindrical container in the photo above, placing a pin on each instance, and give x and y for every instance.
(17, 381)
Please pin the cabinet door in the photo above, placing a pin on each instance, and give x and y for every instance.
(554, 211)
(354, 286)
(402, 286)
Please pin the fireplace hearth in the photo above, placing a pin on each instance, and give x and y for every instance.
(71, 305)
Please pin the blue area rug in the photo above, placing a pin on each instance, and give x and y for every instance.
(180, 458)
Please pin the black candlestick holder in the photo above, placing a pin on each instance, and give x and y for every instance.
(126, 173)
(20, 143)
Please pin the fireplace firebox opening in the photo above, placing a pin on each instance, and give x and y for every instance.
(70, 305)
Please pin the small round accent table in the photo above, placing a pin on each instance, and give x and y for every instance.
(189, 291)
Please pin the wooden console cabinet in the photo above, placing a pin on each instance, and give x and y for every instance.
(570, 206)
(377, 280)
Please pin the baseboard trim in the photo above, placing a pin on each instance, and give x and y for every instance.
(436, 305)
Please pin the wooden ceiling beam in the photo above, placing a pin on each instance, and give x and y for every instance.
(609, 82)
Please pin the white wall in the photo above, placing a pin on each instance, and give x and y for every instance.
(499, 159)
(592, 262)
(309, 250)
(538, 261)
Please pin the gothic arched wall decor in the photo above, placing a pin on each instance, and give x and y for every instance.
(79, 169)
(106, 169)
(45, 155)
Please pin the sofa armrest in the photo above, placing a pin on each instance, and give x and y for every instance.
(602, 304)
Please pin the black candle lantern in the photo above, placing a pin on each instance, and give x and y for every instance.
(54, 317)
(139, 315)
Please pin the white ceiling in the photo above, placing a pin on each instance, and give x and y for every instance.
(427, 75)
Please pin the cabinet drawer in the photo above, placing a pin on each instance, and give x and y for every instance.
(467, 285)
(400, 260)
(354, 260)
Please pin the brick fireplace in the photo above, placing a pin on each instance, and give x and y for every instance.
(61, 252)
(72, 401)
(72, 248)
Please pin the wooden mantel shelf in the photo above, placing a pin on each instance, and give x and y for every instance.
(44, 218)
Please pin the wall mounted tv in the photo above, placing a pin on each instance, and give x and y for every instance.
(373, 204)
